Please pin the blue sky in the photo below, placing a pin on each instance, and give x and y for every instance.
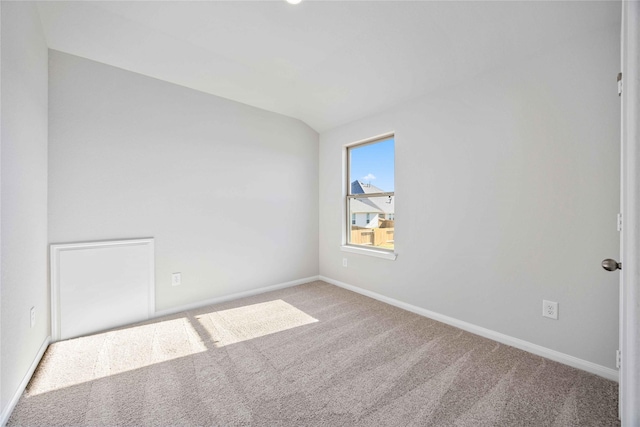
(373, 163)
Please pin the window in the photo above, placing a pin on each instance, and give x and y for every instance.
(371, 194)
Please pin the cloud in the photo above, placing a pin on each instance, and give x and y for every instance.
(369, 177)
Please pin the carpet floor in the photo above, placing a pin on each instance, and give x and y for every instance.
(310, 355)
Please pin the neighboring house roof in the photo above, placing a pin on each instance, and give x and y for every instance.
(373, 205)
(364, 206)
(359, 187)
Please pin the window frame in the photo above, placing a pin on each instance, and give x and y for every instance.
(347, 246)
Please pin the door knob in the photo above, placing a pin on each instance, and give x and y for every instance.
(611, 265)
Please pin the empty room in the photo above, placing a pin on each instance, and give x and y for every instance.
(199, 203)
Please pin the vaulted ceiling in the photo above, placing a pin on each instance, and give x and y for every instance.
(324, 62)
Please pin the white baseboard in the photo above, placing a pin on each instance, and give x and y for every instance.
(231, 297)
(557, 356)
(6, 412)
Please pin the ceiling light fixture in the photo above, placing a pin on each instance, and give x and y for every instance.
(293, 1)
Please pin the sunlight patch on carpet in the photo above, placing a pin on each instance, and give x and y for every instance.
(154, 345)
(235, 325)
(102, 355)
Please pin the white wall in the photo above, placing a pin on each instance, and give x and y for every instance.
(361, 220)
(132, 156)
(507, 189)
(24, 194)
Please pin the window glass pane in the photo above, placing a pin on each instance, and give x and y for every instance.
(370, 228)
(371, 167)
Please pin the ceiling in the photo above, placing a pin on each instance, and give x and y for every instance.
(324, 62)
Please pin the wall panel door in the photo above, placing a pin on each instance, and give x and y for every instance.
(100, 285)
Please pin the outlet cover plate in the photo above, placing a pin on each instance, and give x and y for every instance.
(176, 279)
(550, 309)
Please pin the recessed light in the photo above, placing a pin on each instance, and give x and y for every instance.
(293, 1)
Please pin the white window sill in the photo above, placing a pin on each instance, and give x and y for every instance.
(370, 252)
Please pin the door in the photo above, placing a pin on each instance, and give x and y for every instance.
(630, 208)
(100, 285)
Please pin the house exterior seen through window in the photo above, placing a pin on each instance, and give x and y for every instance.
(371, 194)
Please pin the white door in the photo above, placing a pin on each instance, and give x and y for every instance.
(630, 208)
(100, 285)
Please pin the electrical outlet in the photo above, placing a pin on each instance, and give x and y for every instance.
(176, 279)
(344, 262)
(32, 315)
(550, 309)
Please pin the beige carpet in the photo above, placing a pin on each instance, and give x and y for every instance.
(309, 355)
